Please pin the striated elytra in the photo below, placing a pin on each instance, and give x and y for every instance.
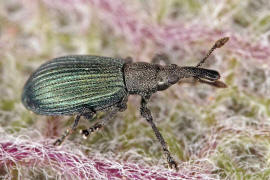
(81, 85)
(67, 85)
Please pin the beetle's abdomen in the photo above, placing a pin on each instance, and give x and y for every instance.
(66, 85)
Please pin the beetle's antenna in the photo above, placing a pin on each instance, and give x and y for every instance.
(219, 43)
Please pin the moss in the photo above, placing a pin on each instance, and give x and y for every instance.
(225, 165)
(94, 39)
(7, 104)
(242, 19)
(267, 105)
(27, 118)
(175, 147)
(210, 120)
(241, 157)
(18, 125)
(179, 8)
(66, 41)
(162, 10)
(265, 21)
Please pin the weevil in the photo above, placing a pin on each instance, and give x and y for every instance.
(82, 85)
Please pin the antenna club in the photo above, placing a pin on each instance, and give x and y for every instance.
(221, 42)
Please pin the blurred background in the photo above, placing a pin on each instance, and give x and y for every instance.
(212, 133)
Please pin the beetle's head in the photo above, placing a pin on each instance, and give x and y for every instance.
(171, 74)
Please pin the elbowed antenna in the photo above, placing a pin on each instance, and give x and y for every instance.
(219, 43)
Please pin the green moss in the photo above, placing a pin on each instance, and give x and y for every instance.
(27, 118)
(193, 5)
(265, 21)
(175, 147)
(7, 104)
(179, 8)
(233, 63)
(267, 104)
(1, 63)
(162, 10)
(225, 165)
(95, 39)
(210, 120)
(174, 117)
(17, 126)
(241, 157)
(66, 41)
(242, 18)
(264, 175)
(253, 111)
(44, 25)
(264, 24)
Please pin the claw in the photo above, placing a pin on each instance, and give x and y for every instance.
(85, 133)
(172, 164)
(57, 142)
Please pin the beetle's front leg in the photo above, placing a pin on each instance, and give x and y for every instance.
(109, 115)
(121, 106)
(146, 113)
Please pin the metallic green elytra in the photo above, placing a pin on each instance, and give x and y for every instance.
(66, 85)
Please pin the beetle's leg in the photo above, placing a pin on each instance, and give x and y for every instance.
(59, 141)
(86, 113)
(146, 113)
(89, 115)
(121, 106)
(109, 115)
(161, 58)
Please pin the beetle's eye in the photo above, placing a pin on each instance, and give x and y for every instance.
(172, 79)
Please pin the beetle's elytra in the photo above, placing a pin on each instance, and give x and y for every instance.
(67, 85)
(81, 85)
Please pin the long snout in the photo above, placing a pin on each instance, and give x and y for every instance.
(201, 73)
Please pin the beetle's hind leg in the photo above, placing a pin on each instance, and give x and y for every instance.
(88, 114)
